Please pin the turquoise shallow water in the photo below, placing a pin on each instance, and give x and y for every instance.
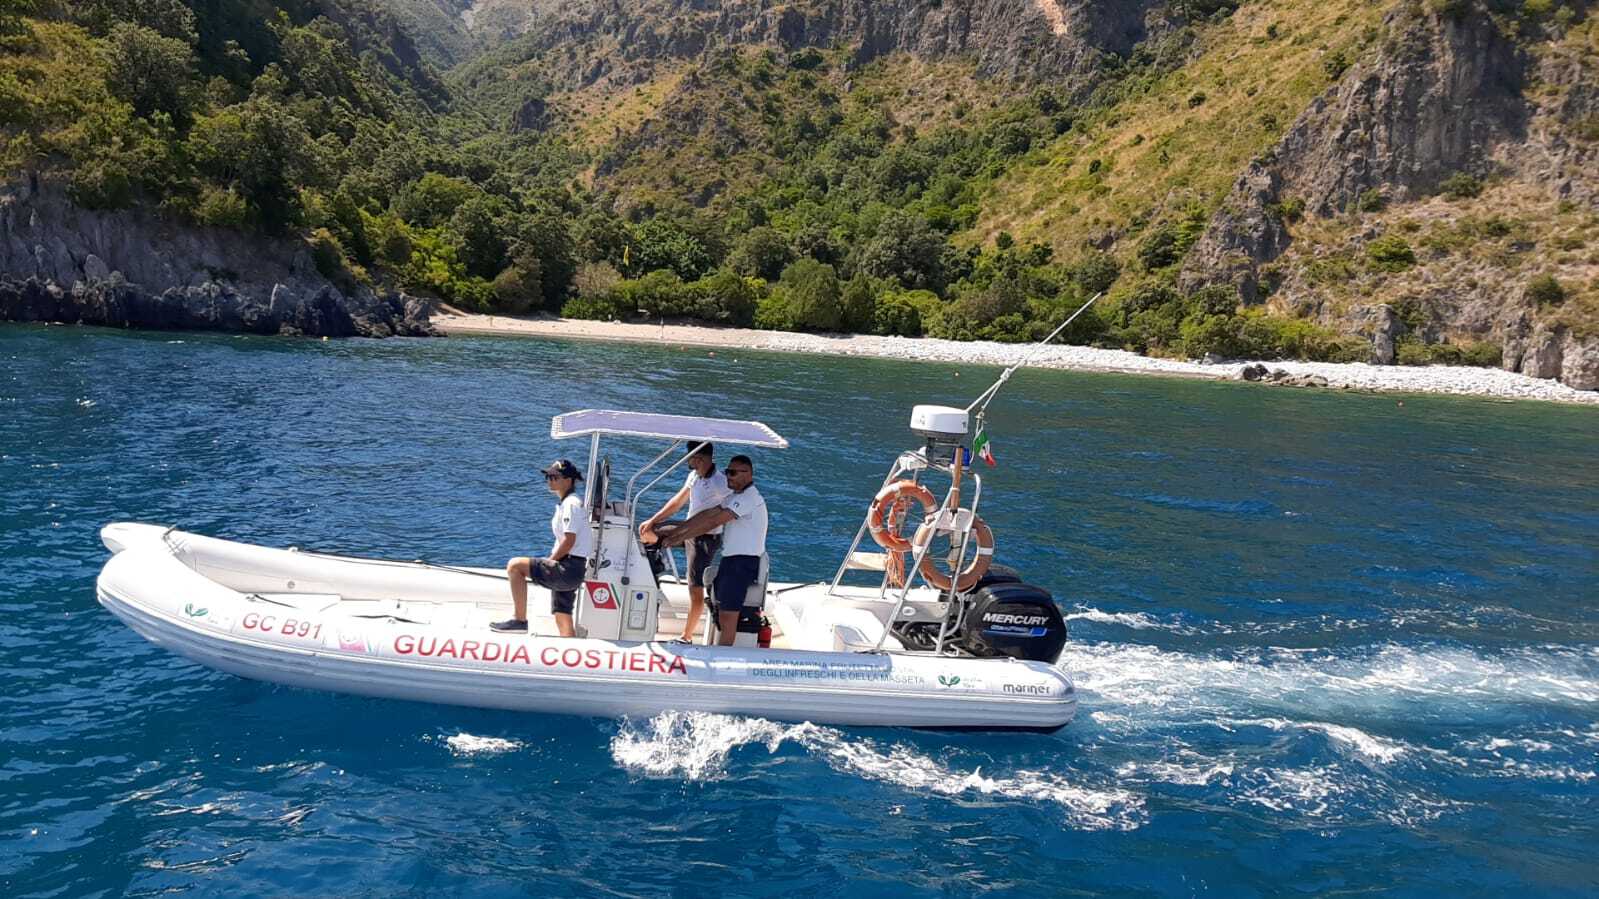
(1324, 642)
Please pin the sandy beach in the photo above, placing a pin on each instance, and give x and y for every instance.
(1455, 380)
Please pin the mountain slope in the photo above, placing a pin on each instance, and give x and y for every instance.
(1409, 180)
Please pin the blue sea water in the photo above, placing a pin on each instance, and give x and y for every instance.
(1325, 643)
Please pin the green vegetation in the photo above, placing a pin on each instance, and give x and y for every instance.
(1409, 351)
(1390, 253)
(743, 186)
(1545, 290)
(1461, 186)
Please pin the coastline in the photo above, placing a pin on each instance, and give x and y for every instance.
(1450, 380)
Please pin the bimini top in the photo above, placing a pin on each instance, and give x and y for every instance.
(669, 427)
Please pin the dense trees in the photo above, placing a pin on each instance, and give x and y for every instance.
(315, 117)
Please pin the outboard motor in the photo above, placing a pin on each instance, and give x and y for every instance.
(1012, 619)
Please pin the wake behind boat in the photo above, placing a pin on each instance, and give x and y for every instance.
(938, 639)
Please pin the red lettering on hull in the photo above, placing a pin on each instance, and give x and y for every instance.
(548, 656)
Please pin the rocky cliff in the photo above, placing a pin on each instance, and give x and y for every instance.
(62, 263)
(585, 41)
(1440, 176)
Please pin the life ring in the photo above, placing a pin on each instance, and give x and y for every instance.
(973, 572)
(888, 513)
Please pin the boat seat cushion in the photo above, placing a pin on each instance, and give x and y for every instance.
(857, 630)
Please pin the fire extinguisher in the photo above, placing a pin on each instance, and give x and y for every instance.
(764, 639)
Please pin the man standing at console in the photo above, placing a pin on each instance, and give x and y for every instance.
(742, 518)
(705, 488)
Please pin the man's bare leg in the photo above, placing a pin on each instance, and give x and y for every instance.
(729, 623)
(696, 607)
(563, 623)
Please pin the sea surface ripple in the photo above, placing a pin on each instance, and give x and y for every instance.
(1323, 642)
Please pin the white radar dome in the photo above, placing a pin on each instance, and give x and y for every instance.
(944, 423)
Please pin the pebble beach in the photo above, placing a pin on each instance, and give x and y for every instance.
(1439, 379)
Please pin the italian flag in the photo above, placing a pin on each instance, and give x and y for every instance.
(982, 447)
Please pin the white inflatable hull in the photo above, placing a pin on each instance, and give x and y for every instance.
(376, 647)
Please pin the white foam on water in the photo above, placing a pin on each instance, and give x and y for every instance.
(691, 745)
(466, 745)
(1330, 794)
(1527, 755)
(1135, 620)
(1353, 739)
(86, 403)
(1190, 770)
(696, 745)
(1139, 680)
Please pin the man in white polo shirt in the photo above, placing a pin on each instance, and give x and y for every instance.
(705, 488)
(742, 517)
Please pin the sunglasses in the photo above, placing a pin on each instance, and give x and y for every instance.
(737, 471)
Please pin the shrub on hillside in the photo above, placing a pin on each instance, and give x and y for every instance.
(771, 313)
(729, 299)
(895, 315)
(1461, 186)
(1159, 248)
(859, 302)
(221, 208)
(762, 252)
(660, 244)
(813, 296)
(904, 247)
(594, 280)
(1390, 253)
(430, 200)
(1545, 290)
(1096, 272)
(326, 254)
(517, 289)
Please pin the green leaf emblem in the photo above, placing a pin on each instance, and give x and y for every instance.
(192, 612)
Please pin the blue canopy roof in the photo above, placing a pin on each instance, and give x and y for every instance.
(669, 427)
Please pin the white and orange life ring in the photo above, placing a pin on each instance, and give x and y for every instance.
(981, 536)
(888, 513)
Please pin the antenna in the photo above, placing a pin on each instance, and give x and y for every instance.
(983, 399)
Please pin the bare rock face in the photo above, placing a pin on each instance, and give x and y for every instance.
(1560, 354)
(1579, 365)
(1441, 95)
(1025, 40)
(1543, 355)
(1382, 326)
(62, 263)
(532, 115)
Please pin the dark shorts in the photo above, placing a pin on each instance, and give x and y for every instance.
(733, 581)
(560, 578)
(700, 550)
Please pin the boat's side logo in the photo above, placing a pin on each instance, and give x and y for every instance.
(950, 681)
(601, 596)
(192, 612)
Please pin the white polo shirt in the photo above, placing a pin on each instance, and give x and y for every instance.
(569, 519)
(706, 493)
(746, 535)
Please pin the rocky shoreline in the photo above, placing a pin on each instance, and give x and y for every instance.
(131, 269)
(213, 306)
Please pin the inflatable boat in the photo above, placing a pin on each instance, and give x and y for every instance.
(933, 640)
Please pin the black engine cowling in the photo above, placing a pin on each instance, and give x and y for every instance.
(1014, 620)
